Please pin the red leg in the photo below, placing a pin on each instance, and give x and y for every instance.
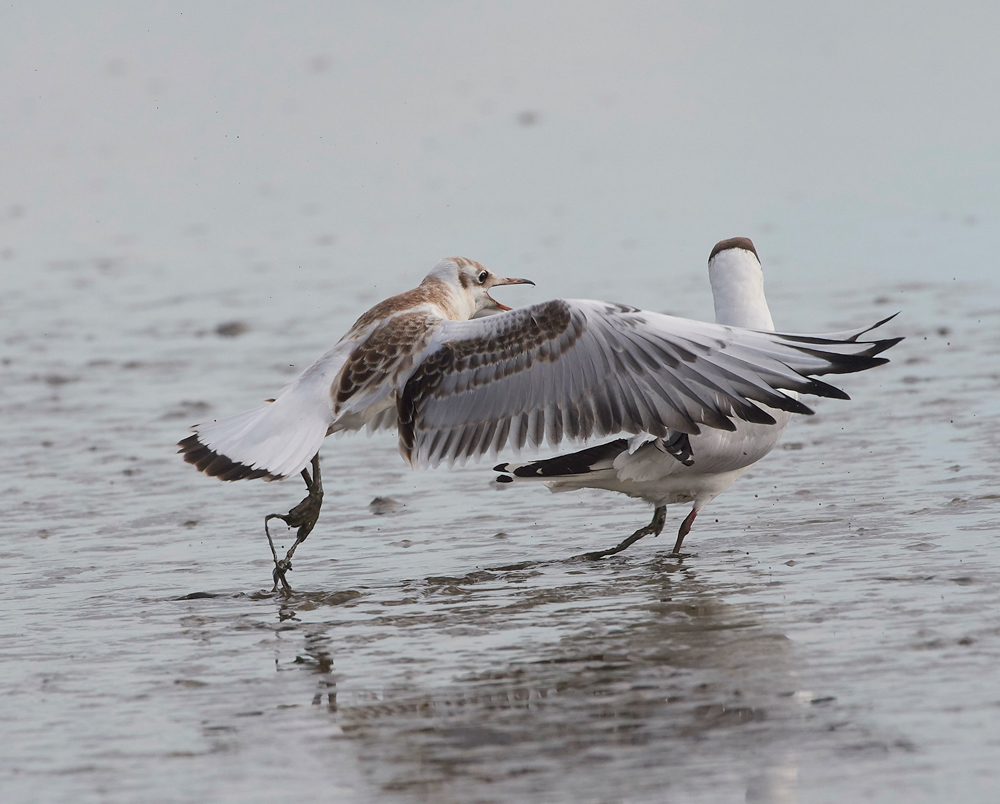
(685, 530)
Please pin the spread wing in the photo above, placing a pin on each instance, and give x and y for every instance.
(579, 369)
(363, 391)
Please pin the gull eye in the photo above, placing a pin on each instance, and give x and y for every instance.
(482, 277)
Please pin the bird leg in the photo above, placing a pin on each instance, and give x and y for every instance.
(653, 528)
(684, 531)
(303, 516)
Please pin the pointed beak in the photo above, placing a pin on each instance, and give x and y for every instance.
(513, 282)
(501, 281)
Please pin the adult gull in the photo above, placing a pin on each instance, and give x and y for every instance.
(700, 402)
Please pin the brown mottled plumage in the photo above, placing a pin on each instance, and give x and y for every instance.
(352, 386)
(432, 290)
(388, 348)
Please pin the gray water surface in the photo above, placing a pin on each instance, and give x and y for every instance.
(831, 637)
(197, 200)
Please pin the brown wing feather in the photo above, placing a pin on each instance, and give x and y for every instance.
(387, 350)
(544, 333)
(578, 369)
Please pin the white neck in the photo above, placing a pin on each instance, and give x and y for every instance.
(738, 290)
(447, 292)
(461, 307)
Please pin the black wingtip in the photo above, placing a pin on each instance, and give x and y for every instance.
(206, 460)
(881, 346)
(819, 388)
(876, 325)
(793, 405)
(500, 467)
(752, 413)
(848, 363)
(505, 479)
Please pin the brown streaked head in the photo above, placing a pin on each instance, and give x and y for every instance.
(472, 281)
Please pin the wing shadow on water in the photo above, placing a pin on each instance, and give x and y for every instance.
(614, 679)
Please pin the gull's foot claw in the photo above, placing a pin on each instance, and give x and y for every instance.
(599, 554)
(303, 516)
(283, 565)
(280, 568)
(653, 528)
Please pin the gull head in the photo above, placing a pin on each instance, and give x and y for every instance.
(738, 285)
(471, 282)
(734, 262)
(735, 255)
(734, 251)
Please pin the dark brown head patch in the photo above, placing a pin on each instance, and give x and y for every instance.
(733, 242)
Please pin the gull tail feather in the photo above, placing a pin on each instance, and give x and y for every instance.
(584, 462)
(272, 442)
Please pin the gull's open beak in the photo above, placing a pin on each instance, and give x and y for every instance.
(501, 281)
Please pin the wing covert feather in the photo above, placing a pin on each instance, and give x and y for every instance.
(580, 369)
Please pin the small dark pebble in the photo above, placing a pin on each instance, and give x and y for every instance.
(231, 329)
(381, 506)
(59, 379)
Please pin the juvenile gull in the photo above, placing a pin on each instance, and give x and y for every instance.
(351, 386)
(702, 402)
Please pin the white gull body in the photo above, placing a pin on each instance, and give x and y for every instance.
(579, 369)
(704, 465)
(563, 369)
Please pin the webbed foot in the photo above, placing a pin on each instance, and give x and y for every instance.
(652, 529)
(303, 516)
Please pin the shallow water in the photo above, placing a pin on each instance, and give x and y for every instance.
(198, 200)
(831, 637)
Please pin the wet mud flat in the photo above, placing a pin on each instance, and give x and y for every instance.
(832, 634)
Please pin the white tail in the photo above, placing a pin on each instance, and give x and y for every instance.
(275, 441)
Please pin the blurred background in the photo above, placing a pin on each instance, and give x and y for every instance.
(587, 143)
